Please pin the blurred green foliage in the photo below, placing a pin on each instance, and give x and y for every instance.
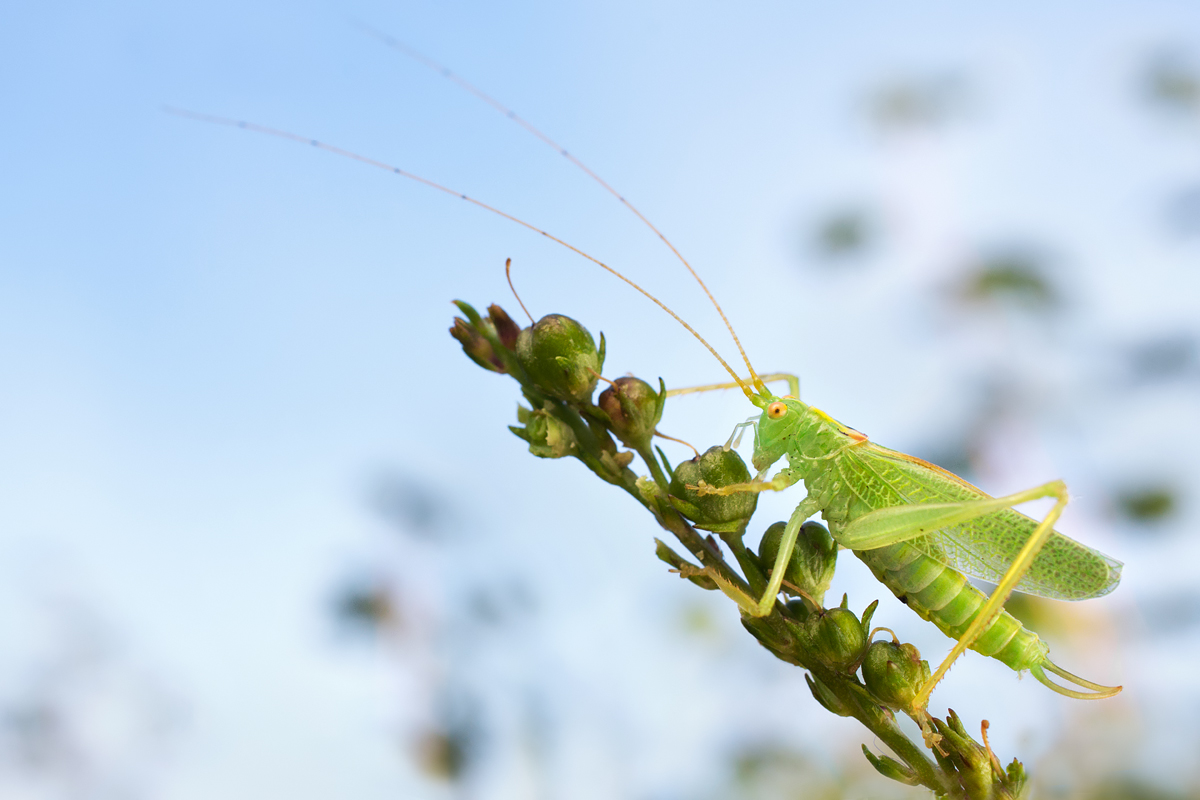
(1147, 504)
(845, 233)
(919, 101)
(1172, 82)
(1013, 278)
(365, 606)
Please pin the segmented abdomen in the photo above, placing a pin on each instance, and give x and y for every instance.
(945, 597)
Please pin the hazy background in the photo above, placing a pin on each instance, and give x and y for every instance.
(263, 532)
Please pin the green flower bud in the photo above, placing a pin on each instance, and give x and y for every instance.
(560, 357)
(837, 638)
(476, 346)
(633, 409)
(548, 436)
(826, 697)
(717, 467)
(813, 560)
(894, 673)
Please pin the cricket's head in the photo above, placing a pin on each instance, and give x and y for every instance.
(775, 429)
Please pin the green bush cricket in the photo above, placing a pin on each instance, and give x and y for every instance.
(919, 528)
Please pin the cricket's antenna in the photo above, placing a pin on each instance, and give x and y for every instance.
(415, 55)
(350, 154)
(508, 274)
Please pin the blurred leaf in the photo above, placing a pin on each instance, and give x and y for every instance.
(448, 751)
(1013, 278)
(845, 233)
(443, 754)
(1173, 83)
(1147, 504)
(366, 606)
(918, 102)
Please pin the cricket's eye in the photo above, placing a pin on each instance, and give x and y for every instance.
(776, 410)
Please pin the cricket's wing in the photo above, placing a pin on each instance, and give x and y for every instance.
(983, 547)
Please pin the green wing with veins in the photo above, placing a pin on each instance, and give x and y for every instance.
(985, 547)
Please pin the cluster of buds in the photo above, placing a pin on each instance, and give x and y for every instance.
(558, 365)
(839, 642)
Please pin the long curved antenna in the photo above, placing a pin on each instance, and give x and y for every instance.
(329, 148)
(793, 383)
(419, 57)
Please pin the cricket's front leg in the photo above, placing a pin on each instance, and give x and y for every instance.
(777, 484)
(807, 508)
(787, 544)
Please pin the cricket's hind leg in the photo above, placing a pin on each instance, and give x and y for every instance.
(902, 523)
(1016, 570)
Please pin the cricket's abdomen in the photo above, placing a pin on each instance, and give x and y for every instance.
(944, 597)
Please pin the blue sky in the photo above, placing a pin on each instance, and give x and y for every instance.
(212, 340)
